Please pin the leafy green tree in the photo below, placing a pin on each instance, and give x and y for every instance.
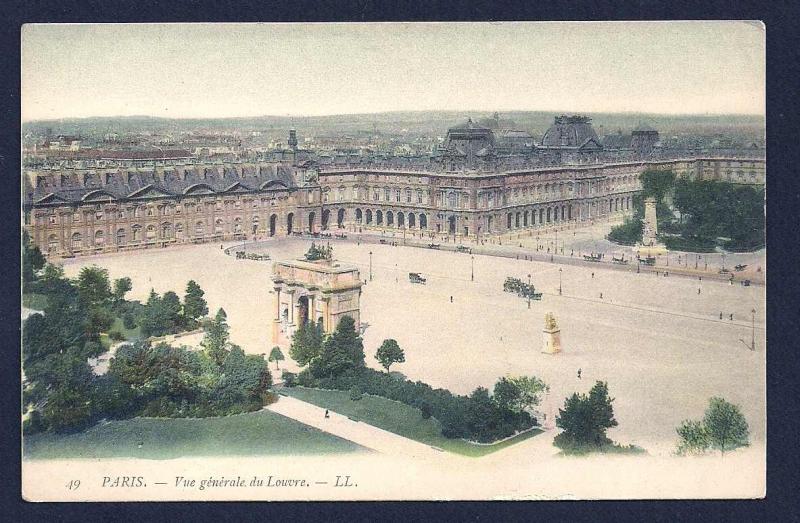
(482, 416)
(585, 419)
(725, 425)
(657, 182)
(171, 308)
(306, 343)
(99, 320)
(94, 288)
(277, 356)
(32, 259)
(215, 341)
(693, 437)
(388, 353)
(194, 305)
(506, 394)
(151, 321)
(341, 351)
(529, 390)
(122, 286)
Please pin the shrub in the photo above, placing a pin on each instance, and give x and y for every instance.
(116, 336)
(129, 321)
(289, 378)
(355, 393)
(693, 437)
(268, 398)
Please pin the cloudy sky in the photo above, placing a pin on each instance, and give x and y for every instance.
(218, 70)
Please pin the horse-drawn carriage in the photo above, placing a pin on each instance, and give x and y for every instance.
(592, 257)
(415, 277)
(649, 260)
(740, 267)
(434, 245)
(620, 261)
(522, 289)
(462, 248)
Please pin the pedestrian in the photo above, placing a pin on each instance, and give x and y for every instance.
(327, 415)
(451, 299)
(698, 290)
(720, 315)
(601, 295)
(592, 275)
(731, 316)
(579, 373)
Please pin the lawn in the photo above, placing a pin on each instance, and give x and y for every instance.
(34, 301)
(398, 418)
(251, 434)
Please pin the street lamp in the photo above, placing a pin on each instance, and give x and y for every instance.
(472, 268)
(559, 281)
(529, 291)
(370, 265)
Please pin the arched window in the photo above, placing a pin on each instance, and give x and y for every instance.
(99, 239)
(52, 243)
(77, 240)
(150, 233)
(219, 226)
(199, 228)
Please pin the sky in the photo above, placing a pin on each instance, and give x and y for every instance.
(229, 70)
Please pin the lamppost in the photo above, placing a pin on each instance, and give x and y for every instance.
(752, 345)
(529, 291)
(559, 281)
(370, 265)
(472, 268)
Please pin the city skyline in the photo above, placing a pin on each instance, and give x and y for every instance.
(308, 70)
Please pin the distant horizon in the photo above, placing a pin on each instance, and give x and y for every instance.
(554, 112)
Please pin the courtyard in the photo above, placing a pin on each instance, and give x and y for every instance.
(660, 345)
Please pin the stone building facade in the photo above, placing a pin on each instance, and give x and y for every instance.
(469, 189)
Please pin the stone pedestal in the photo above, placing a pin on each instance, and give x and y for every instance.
(551, 341)
(551, 335)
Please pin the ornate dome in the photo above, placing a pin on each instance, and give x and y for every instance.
(570, 131)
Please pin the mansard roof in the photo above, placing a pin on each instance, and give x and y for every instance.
(76, 186)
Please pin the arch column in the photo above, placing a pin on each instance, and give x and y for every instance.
(276, 322)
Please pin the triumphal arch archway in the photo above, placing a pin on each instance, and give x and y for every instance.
(321, 291)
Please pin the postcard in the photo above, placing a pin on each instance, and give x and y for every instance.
(393, 261)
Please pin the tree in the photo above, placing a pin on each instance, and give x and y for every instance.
(215, 341)
(171, 309)
(152, 318)
(276, 355)
(656, 182)
(94, 288)
(194, 306)
(121, 287)
(725, 425)
(693, 437)
(306, 343)
(389, 352)
(343, 350)
(585, 419)
(506, 394)
(529, 389)
(32, 259)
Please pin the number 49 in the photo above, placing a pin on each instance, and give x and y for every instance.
(74, 484)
